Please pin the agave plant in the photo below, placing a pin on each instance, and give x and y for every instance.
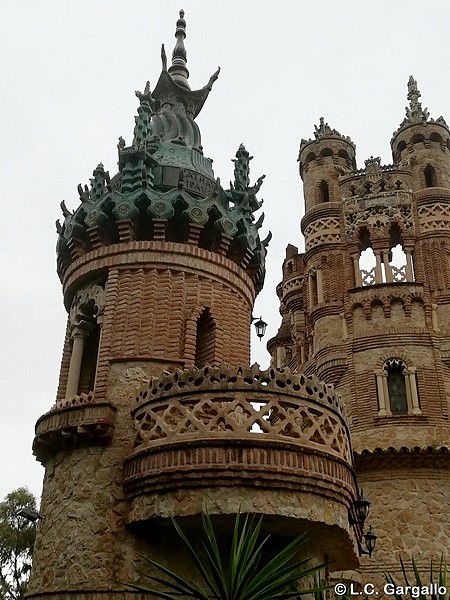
(241, 573)
(419, 589)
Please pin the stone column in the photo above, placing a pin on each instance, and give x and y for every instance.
(387, 268)
(383, 400)
(387, 405)
(411, 391)
(409, 266)
(378, 270)
(79, 334)
(357, 271)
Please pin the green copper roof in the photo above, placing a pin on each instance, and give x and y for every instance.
(164, 176)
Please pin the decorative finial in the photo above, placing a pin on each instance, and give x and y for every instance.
(324, 130)
(178, 70)
(415, 113)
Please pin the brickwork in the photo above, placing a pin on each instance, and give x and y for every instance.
(355, 323)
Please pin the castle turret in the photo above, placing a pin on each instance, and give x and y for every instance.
(422, 143)
(379, 331)
(322, 160)
(158, 413)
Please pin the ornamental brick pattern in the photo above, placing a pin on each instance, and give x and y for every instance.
(158, 413)
(359, 328)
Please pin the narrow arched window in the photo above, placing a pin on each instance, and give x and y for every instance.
(396, 384)
(205, 339)
(430, 176)
(89, 362)
(324, 192)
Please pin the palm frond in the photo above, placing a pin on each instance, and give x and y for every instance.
(239, 572)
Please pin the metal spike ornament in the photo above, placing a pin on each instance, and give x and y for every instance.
(178, 70)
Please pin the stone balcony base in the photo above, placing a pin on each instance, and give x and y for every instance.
(77, 422)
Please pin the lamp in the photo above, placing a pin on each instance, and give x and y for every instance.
(362, 506)
(360, 510)
(29, 514)
(370, 540)
(260, 327)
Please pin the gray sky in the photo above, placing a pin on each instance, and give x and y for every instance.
(69, 70)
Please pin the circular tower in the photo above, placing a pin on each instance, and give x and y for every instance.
(327, 265)
(158, 413)
(381, 333)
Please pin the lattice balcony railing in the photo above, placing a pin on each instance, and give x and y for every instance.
(399, 274)
(197, 426)
(368, 277)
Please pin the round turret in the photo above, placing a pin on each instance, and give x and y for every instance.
(322, 161)
(165, 190)
(422, 144)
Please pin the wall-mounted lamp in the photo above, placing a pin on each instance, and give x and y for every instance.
(260, 327)
(370, 540)
(360, 510)
(29, 514)
(357, 516)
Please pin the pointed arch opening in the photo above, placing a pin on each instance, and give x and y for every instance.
(205, 339)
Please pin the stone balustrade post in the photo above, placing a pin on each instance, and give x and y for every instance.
(378, 269)
(357, 271)
(409, 266)
(387, 268)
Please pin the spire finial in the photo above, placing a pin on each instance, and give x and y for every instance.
(178, 70)
(415, 113)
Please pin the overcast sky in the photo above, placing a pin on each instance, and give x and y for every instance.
(69, 71)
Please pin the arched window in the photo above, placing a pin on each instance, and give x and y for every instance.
(396, 384)
(85, 320)
(324, 192)
(397, 389)
(205, 339)
(367, 266)
(430, 176)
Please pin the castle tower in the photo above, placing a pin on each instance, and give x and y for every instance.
(158, 413)
(380, 332)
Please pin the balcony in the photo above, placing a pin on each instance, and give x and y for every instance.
(76, 422)
(219, 427)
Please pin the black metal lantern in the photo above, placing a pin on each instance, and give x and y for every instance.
(260, 327)
(360, 510)
(29, 514)
(371, 540)
(362, 506)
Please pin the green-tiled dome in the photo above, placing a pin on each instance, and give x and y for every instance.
(165, 178)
